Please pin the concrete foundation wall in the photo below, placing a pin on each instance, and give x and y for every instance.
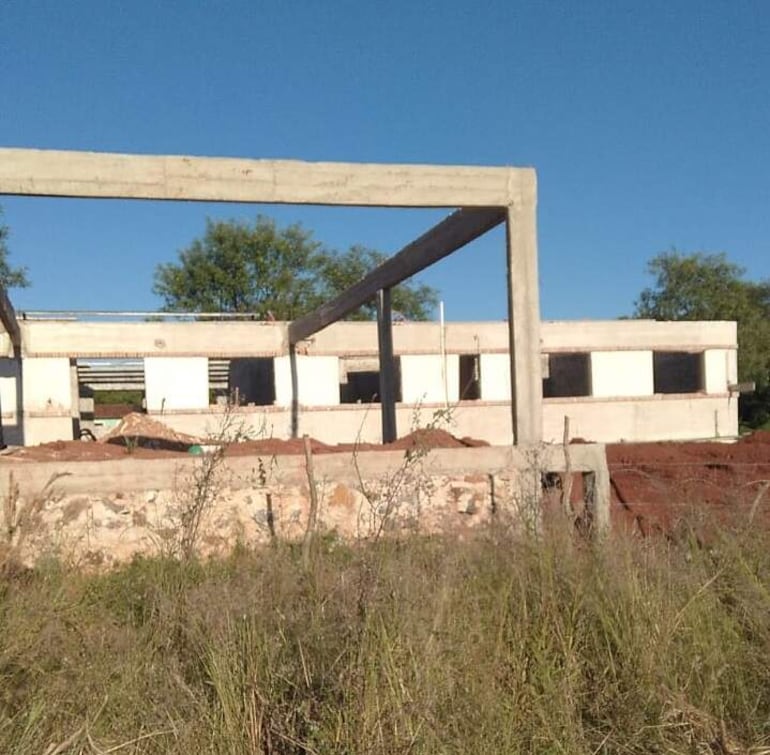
(106, 512)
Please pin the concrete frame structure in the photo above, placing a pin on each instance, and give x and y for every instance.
(486, 197)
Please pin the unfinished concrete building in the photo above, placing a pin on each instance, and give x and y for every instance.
(514, 384)
(505, 383)
(618, 380)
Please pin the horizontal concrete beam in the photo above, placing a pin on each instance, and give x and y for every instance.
(222, 179)
(452, 233)
(153, 339)
(234, 339)
(633, 335)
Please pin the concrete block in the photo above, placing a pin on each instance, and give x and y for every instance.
(176, 383)
(621, 373)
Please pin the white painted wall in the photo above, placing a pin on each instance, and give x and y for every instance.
(650, 419)
(495, 377)
(717, 366)
(317, 379)
(423, 378)
(176, 383)
(9, 377)
(47, 386)
(621, 373)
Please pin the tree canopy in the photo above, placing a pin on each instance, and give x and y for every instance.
(10, 277)
(702, 286)
(274, 272)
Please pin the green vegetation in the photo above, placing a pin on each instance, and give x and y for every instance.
(105, 397)
(10, 277)
(274, 272)
(492, 645)
(709, 287)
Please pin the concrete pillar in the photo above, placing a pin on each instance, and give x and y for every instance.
(176, 383)
(387, 366)
(524, 316)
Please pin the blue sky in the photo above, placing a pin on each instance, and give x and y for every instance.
(648, 124)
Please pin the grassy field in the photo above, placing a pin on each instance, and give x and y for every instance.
(492, 645)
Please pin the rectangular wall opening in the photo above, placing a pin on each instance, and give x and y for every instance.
(566, 375)
(108, 389)
(250, 380)
(678, 372)
(360, 380)
(470, 377)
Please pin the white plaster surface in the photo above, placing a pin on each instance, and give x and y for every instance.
(721, 368)
(9, 376)
(652, 419)
(176, 383)
(495, 377)
(621, 373)
(317, 380)
(47, 386)
(428, 377)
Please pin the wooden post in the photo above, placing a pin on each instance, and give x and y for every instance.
(387, 366)
(312, 516)
(294, 392)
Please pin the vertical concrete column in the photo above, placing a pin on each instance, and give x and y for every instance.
(387, 366)
(524, 315)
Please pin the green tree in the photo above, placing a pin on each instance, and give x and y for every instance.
(271, 271)
(340, 271)
(10, 277)
(703, 286)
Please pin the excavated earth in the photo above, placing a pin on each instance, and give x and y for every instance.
(655, 486)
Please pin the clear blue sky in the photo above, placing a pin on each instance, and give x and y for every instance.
(648, 124)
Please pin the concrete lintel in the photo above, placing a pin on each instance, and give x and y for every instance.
(452, 233)
(222, 179)
(147, 339)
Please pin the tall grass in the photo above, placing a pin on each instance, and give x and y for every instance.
(491, 645)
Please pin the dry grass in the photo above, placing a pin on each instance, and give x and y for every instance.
(495, 645)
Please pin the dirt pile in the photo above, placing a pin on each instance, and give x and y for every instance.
(139, 430)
